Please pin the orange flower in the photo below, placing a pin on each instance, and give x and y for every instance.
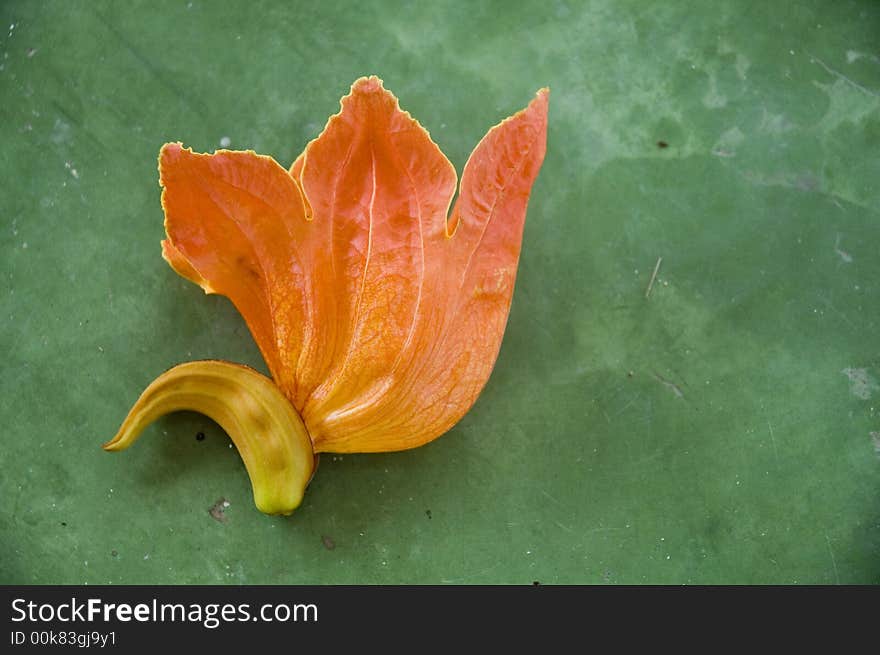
(380, 318)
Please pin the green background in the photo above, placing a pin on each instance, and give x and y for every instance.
(722, 430)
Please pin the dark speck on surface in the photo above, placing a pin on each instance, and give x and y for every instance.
(329, 544)
(536, 583)
(64, 523)
(662, 144)
(200, 436)
(218, 510)
(114, 552)
(428, 513)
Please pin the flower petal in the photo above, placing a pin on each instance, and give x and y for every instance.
(234, 220)
(380, 190)
(466, 295)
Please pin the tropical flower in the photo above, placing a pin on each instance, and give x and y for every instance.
(379, 313)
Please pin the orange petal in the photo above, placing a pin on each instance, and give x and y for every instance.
(183, 267)
(465, 300)
(380, 190)
(233, 220)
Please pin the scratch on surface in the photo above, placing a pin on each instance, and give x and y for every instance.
(164, 77)
(647, 459)
(773, 441)
(77, 122)
(804, 181)
(550, 497)
(833, 561)
(845, 256)
(843, 77)
(670, 385)
(564, 527)
(653, 277)
(625, 407)
(603, 530)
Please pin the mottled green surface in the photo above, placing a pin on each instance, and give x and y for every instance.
(718, 431)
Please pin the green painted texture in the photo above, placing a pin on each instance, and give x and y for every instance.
(725, 429)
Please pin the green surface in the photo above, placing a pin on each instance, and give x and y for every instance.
(719, 431)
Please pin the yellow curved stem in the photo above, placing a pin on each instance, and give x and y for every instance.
(269, 434)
